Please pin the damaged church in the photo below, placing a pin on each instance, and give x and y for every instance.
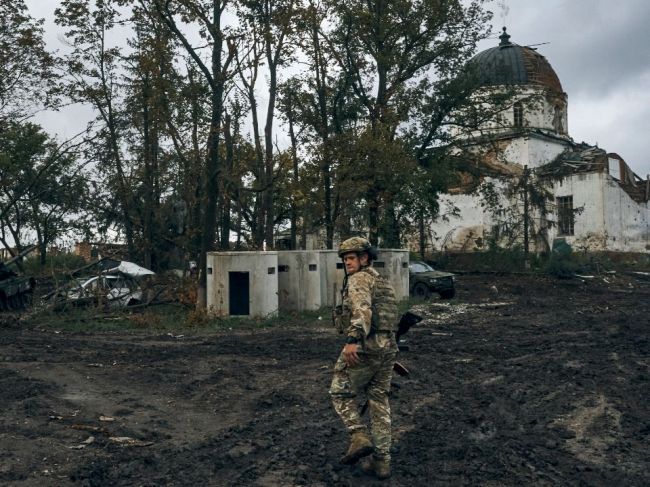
(529, 181)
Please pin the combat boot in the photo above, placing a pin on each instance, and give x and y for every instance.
(360, 446)
(379, 467)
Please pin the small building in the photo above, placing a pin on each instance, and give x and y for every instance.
(299, 280)
(242, 284)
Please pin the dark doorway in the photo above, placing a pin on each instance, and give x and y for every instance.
(239, 293)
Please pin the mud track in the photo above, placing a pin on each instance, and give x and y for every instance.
(519, 381)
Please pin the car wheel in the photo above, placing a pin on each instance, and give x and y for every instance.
(448, 294)
(421, 291)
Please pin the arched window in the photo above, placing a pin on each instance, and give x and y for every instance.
(518, 114)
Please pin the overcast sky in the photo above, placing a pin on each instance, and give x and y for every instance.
(600, 49)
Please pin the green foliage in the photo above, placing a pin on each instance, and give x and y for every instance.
(373, 90)
(44, 187)
(561, 266)
(58, 265)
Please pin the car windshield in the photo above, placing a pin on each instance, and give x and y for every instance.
(418, 267)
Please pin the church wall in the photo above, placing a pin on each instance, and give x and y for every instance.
(532, 151)
(589, 225)
(517, 151)
(610, 220)
(541, 151)
(627, 222)
(467, 231)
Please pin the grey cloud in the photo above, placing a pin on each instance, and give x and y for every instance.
(594, 45)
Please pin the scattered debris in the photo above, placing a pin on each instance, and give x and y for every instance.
(127, 441)
(89, 441)
(85, 427)
(641, 275)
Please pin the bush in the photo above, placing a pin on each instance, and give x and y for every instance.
(562, 266)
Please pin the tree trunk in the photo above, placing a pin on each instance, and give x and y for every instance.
(268, 157)
(227, 185)
(296, 176)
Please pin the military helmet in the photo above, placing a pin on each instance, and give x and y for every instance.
(354, 244)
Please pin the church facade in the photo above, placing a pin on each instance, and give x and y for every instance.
(529, 178)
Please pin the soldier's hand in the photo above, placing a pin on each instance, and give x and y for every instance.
(350, 354)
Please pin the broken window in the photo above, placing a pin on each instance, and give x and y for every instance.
(565, 215)
(518, 114)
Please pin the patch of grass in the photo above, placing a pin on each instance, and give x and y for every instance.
(164, 318)
(92, 319)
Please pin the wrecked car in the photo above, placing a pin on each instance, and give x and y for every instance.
(116, 284)
(424, 280)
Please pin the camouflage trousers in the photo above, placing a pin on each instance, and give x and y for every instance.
(371, 375)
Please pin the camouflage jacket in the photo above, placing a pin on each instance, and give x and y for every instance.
(370, 310)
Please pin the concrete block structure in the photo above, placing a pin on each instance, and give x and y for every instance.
(393, 264)
(242, 283)
(332, 275)
(299, 280)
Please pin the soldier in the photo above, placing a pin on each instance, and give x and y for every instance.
(367, 317)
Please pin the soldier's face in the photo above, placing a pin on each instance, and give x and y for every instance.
(353, 262)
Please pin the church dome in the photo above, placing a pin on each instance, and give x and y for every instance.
(512, 64)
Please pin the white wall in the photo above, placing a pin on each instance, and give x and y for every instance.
(299, 280)
(627, 222)
(543, 151)
(538, 108)
(263, 281)
(465, 231)
(589, 225)
(610, 220)
(393, 264)
(332, 274)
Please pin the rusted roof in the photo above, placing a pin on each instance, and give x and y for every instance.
(512, 64)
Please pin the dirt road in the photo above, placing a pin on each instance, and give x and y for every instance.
(518, 381)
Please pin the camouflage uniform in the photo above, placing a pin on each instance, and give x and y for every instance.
(369, 314)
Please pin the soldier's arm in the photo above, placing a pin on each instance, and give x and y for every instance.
(360, 297)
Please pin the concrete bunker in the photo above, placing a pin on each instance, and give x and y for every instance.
(242, 283)
(393, 264)
(331, 275)
(299, 280)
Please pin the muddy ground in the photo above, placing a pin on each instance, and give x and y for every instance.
(518, 381)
